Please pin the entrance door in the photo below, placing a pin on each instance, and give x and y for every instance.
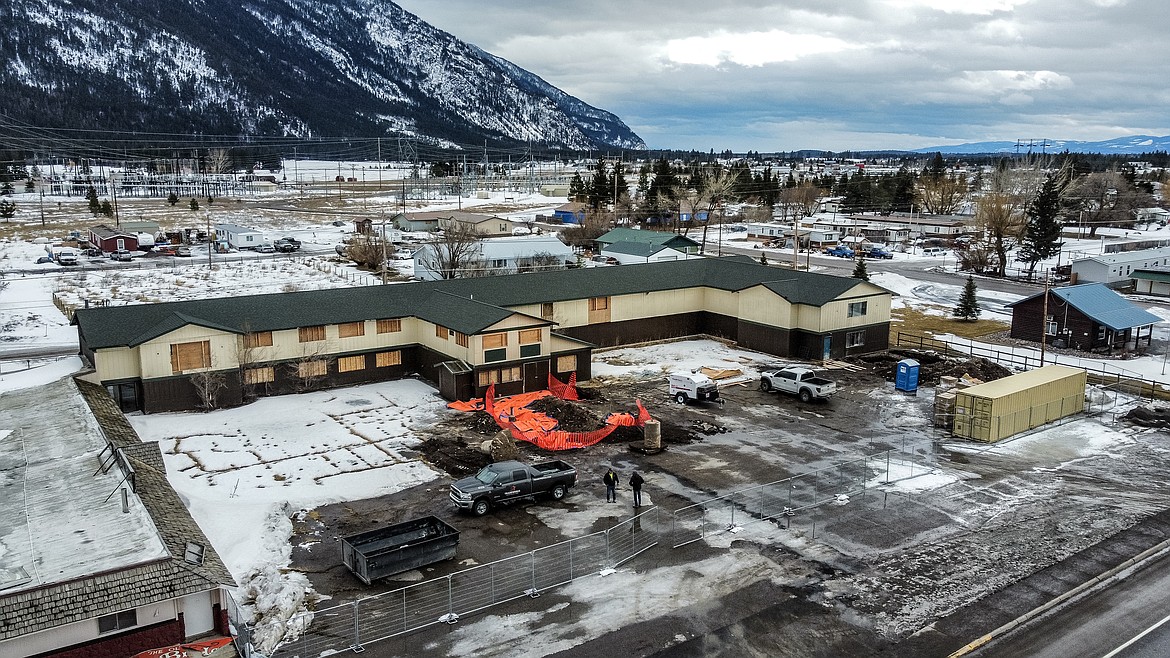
(535, 376)
(126, 395)
(828, 352)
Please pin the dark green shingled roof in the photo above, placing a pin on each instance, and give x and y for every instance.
(645, 237)
(465, 305)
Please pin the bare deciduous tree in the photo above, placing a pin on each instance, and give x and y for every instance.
(367, 250)
(1105, 199)
(455, 250)
(218, 161)
(942, 194)
(207, 385)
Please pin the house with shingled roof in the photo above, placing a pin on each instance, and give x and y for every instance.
(1089, 317)
(98, 555)
(463, 335)
(656, 238)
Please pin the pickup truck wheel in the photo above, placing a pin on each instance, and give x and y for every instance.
(481, 507)
(680, 398)
(558, 492)
(766, 385)
(805, 395)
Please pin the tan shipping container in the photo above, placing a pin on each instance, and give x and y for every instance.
(999, 409)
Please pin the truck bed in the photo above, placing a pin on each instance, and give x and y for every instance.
(401, 547)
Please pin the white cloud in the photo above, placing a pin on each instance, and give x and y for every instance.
(979, 7)
(750, 48)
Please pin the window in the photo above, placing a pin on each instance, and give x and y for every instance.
(495, 340)
(389, 326)
(351, 363)
(490, 356)
(567, 363)
(259, 375)
(193, 553)
(546, 311)
(501, 376)
(857, 309)
(461, 339)
(1100, 333)
(499, 263)
(118, 621)
(384, 359)
(440, 331)
(351, 329)
(258, 339)
(1050, 327)
(310, 334)
(854, 339)
(529, 336)
(599, 303)
(313, 368)
(190, 356)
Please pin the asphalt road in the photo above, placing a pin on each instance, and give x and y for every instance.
(1101, 622)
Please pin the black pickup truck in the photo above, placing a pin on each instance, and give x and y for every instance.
(504, 482)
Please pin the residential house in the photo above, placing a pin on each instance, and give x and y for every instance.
(664, 238)
(630, 253)
(486, 225)
(508, 255)
(418, 221)
(109, 240)
(1116, 269)
(239, 237)
(1088, 317)
(1151, 282)
(569, 213)
(100, 555)
(463, 335)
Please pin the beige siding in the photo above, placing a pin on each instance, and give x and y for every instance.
(119, 363)
(476, 352)
(723, 302)
(155, 354)
(835, 314)
(763, 306)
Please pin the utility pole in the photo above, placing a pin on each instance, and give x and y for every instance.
(114, 195)
(795, 242)
(1044, 317)
(383, 268)
(42, 206)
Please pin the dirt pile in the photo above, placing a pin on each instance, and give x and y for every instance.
(932, 365)
(570, 416)
(1148, 417)
(454, 456)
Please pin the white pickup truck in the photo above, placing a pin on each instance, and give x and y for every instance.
(797, 381)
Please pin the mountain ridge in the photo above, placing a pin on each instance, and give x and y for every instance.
(1135, 144)
(297, 68)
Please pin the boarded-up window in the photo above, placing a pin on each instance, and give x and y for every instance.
(351, 363)
(351, 329)
(567, 363)
(599, 303)
(259, 375)
(495, 340)
(258, 339)
(384, 359)
(501, 376)
(440, 331)
(190, 356)
(310, 334)
(461, 339)
(546, 310)
(529, 336)
(389, 326)
(313, 368)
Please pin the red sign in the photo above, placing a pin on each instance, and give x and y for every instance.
(204, 648)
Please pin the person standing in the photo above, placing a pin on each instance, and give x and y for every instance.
(610, 480)
(636, 484)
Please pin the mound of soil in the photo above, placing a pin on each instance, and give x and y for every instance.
(481, 422)
(455, 457)
(933, 365)
(570, 416)
(1147, 417)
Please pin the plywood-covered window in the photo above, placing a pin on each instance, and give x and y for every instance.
(567, 363)
(440, 331)
(461, 339)
(258, 339)
(386, 359)
(310, 334)
(351, 363)
(351, 329)
(500, 376)
(491, 341)
(259, 375)
(389, 326)
(546, 310)
(190, 356)
(312, 368)
(529, 336)
(598, 309)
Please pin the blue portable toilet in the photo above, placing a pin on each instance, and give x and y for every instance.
(906, 377)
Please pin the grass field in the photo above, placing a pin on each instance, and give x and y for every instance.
(916, 320)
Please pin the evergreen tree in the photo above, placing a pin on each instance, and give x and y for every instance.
(763, 258)
(859, 270)
(194, 204)
(577, 188)
(172, 198)
(968, 308)
(1042, 232)
(599, 186)
(618, 180)
(6, 189)
(95, 206)
(7, 209)
(30, 186)
(106, 209)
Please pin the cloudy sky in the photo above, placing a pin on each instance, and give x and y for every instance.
(840, 74)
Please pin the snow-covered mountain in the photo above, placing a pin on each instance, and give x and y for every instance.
(355, 68)
(1119, 146)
